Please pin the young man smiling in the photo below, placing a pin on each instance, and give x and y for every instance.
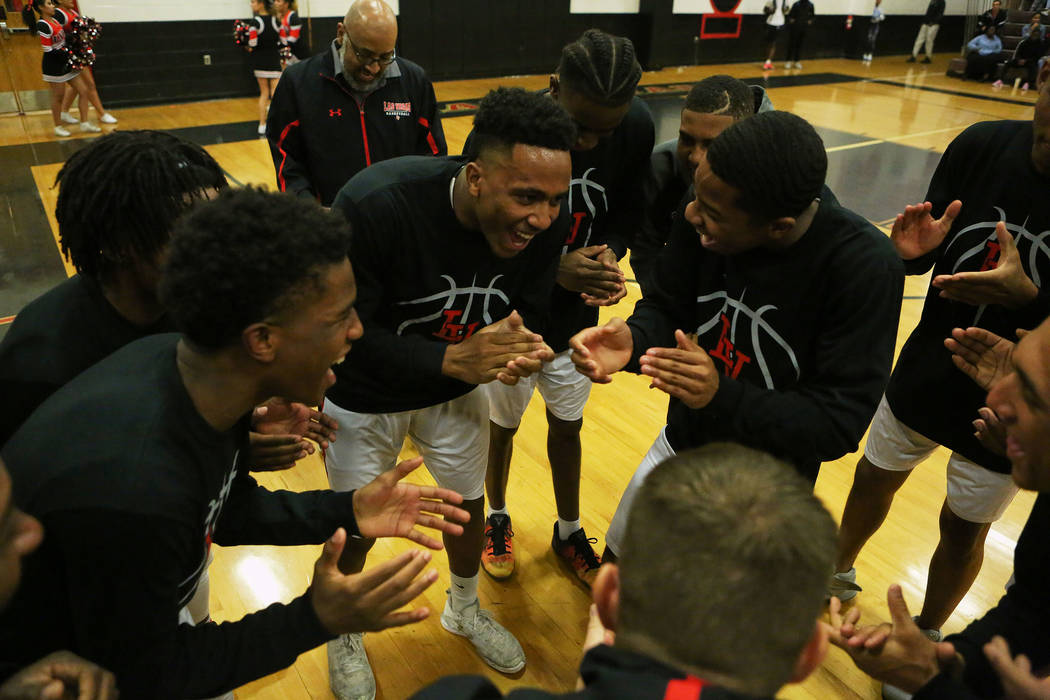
(773, 311)
(152, 447)
(455, 260)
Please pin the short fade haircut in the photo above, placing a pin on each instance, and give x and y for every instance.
(601, 67)
(119, 197)
(776, 160)
(245, 257)
(721, 94)
(738, 581)
(508, 116)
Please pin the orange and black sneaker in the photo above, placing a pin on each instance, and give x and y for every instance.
(577, 553)
(498, 556)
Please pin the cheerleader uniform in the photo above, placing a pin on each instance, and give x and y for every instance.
(290, 29)
(265, 42)
(55, 64)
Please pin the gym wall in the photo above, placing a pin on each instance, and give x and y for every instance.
(155, 51)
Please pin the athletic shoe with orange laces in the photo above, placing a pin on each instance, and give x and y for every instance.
(577, 553)
(498, 556)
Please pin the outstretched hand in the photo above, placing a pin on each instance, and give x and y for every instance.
(386, 507)
(600, 351)
(1007, 284)
(1015, 673)
(981, 355)
(915, 232)
(896, 652)
(368, 601)
(685, 372)
(60, 675)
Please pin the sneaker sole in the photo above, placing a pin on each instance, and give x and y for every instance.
(567, 565)
(497, 574)
(490, 662)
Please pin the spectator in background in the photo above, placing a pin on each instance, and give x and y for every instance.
(931, 22)
(1028, 52)
(983, 52)
(774, 11)
(799, 18)
(995, 17)
(1035, 28)
(873, 29)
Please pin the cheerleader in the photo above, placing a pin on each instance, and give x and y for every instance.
(264, 44)
(56, 64)
(65, 13)
(289, 27)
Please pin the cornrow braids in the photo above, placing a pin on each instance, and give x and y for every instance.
(776, 160)
(602, 67)
(721, 94)
(120, 195)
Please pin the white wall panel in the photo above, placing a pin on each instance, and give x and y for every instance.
(607, 7)
(189, 10)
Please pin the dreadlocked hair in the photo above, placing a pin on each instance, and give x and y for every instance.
(776, 160)
(601, 67)
(507, 116)
(244, 257)
(721, 94)
(120, 195)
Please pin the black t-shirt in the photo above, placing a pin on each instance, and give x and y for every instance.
(424, 281)
(132, 486)
(803, 337)
(53, 339)
(608, 673)
(989, 168)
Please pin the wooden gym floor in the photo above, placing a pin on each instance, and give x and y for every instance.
(885, 126)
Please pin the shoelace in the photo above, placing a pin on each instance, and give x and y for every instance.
(583, 551)
(498, 537)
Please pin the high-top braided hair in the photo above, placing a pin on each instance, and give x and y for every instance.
(120, 195)
(600, 66)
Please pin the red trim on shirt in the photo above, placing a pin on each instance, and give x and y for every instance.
(284, 156)
(364, 132)
(430, 135)
(684, 689)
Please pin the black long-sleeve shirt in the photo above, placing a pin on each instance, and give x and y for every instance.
(803, 337)
(606, 205)
(132, 486)
(934, 12)
(53, 339)
(322, 133)
(608, 673)
(989, 168)
(1022, 617)
(424, 281)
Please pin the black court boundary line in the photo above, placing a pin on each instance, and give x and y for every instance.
(956, 93)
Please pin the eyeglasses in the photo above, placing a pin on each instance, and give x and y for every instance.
(366, 57)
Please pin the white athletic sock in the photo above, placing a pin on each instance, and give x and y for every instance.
(463, 591)
(496, 511)
(567, 527)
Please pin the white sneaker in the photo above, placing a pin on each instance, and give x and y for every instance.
(262, 130)
(798, 65)
(61, 131)
(493, 642)
(843, 585)
(108, 118)
(349, 673)
(787, 66)
(89, 127)
(68, 118)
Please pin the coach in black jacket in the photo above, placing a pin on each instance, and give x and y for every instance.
(352, 105)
